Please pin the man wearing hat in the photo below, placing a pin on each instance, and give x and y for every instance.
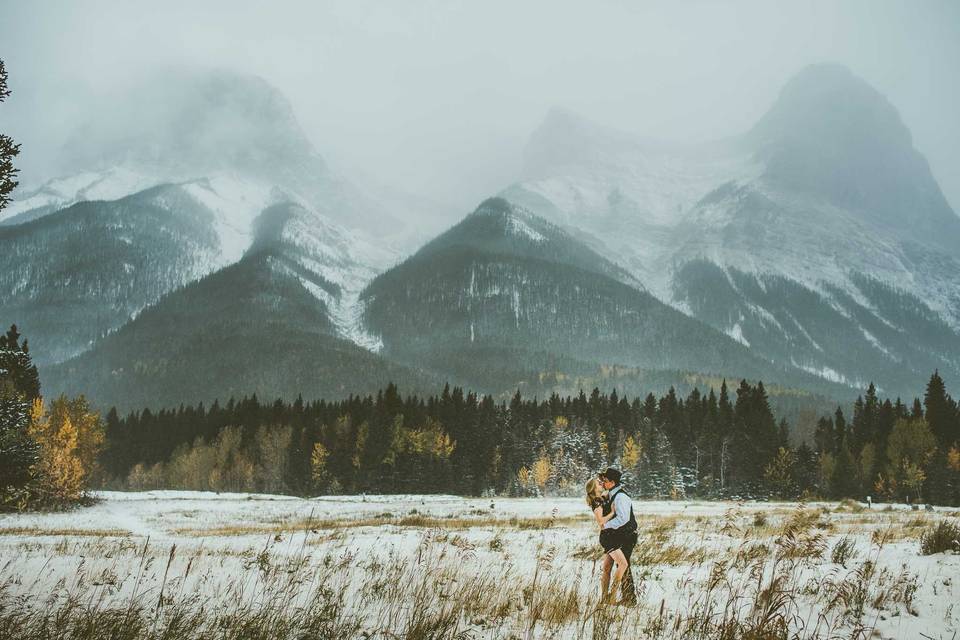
(625, 527)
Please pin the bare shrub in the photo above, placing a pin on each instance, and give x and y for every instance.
(940, 538)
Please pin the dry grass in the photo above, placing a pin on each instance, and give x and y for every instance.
(789, 576)
(385, 520)
(39, 531)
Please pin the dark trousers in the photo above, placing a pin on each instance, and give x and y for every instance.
(628, 590)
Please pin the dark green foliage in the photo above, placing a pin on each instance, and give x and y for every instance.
(491, 441)
(843, 482)
(694, 445)
(941, 412)
(8, 150)
(16, 365)
(19, 387)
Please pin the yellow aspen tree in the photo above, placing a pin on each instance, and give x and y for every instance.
(318, 462)
(443, 446)
(362, 433)
(631, 453)
(59, 468)
(541, 471)
(523, 476)
(953, 458)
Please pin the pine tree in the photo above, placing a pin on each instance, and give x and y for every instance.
(8, 150)
(824, 438)
(805, 469)
(18, 452)
(843, 481)
(839, 429)
(17, 367)
(19, 388)
(940, 412)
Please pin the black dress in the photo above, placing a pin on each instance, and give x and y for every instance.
(608, 537)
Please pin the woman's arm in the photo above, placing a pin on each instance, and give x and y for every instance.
(602, 519)
(609, 516)
(598, 515)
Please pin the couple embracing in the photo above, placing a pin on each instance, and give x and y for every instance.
(613, 511)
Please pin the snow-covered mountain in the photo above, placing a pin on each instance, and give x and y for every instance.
(270, 324)
(504, 296)
(814, 251)
(818, 238)
(150, 202)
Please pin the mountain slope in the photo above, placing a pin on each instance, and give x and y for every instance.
(70, 277)
(170, 195)
(495, 300)
(253, 327)
(825, 200)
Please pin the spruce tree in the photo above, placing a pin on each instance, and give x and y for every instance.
(19, 388)
(843, 482)
(824, 437)
(17, 366)
(941, 412)
(839, 429)
(8, 150)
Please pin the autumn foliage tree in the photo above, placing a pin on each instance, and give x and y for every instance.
(70, 437)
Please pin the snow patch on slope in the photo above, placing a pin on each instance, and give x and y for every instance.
(346, 258)
(62, 192)
(736, 332)
(520, 228)
(235, 203)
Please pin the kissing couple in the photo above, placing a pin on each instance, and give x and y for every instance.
(613, 511)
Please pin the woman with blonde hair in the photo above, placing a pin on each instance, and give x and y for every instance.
(603, 511)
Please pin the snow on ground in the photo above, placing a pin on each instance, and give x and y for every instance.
(225, 540)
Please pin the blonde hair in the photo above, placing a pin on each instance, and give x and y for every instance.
(594, 490)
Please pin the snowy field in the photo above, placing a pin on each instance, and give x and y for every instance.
(206, 565)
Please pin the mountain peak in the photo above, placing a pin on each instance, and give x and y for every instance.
(187, 124)
(566, 139)
(494, 206)
(827, 100)
(833, 136)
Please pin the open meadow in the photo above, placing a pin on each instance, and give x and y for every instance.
(169, 564)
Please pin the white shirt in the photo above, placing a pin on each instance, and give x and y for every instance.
(621, 504)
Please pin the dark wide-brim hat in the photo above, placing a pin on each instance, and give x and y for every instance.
(611, 474)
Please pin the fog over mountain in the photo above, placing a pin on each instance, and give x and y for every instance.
(438, 98)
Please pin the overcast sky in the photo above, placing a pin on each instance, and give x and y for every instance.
(438, 97)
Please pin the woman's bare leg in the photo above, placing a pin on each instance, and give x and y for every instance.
(617, 556)
(605, 576)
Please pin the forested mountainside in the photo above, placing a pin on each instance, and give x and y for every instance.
(71, 277)
(503, 294)
(251, 326)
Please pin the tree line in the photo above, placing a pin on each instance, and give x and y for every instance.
(723, 443)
